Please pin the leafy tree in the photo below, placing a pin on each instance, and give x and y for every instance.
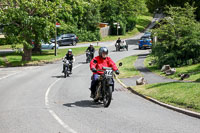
(85, 19)
(161, 4)
(178, 38)
(28, 20)
(124, 12)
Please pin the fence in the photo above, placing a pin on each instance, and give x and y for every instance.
(105, 31)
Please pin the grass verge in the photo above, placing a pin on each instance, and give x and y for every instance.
(10, 46)
(14, 59)
(193, 70)
(185, 95)
(180, 94)
(128, 70)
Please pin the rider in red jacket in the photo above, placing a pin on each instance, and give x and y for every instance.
(97, 63)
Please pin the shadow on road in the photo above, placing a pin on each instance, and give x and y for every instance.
(132, 41)
(118, 51)
(143, 55)
(144, 70)
(84, 103)
(61, 76)
(82, 63)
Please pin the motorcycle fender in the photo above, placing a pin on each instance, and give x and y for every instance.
(111, 82)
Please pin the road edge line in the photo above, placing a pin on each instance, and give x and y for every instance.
(55, 116)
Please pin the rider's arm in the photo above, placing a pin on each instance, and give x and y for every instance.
(112, 64)
(92, 63)
(74, 59)
(93, 50)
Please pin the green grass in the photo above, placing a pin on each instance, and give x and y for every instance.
(2, 62)
(193, 70)
(127, 69)
(14, 59)
(10, 46)
(185, 95)
(142, 23)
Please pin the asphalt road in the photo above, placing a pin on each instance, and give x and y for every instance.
(40, 100)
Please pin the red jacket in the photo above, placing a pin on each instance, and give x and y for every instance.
(107, 62)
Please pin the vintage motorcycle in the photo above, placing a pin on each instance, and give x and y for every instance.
(105, 86)
(122, 45)
(88, 56)
(67, 64)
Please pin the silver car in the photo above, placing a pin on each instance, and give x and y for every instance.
(49, 46)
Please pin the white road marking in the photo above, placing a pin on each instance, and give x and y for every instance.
(9, 75)
(55, 116)
(17, 71)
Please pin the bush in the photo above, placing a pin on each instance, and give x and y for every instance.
(131, 23)
(88, 36)
(178, 38)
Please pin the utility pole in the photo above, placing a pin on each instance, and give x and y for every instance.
(55, 39)
(117, 29)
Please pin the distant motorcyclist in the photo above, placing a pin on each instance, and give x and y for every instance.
(98, 63)
(118, 41)
(70, 57)
(91, 49)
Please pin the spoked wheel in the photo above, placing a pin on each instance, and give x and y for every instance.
(65, 74)
(107, 97)
(127, 47)
(116, 48)
(88, 60)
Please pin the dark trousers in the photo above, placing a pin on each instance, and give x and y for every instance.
(70, 67)
(95, 82)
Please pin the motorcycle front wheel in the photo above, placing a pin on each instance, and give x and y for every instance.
(65, 74)
(107, 97)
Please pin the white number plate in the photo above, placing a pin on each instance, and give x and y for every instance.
(108, 73)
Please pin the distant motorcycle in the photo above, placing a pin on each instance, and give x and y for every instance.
(67, 64)
(88, 56)
(122, 45)
(105, 86)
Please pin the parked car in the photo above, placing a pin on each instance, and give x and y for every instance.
(147, 33)
(145, 41)
(66, 39)
(46, 45)
(49, 46)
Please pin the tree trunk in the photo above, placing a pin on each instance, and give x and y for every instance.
(27, 54)
(37, 46)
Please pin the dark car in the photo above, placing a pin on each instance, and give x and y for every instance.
(66, 39)
(145, 41)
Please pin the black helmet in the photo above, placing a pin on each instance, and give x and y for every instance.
(103, 50)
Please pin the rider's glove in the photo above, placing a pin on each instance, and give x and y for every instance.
(117, 72)
(94, 70)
